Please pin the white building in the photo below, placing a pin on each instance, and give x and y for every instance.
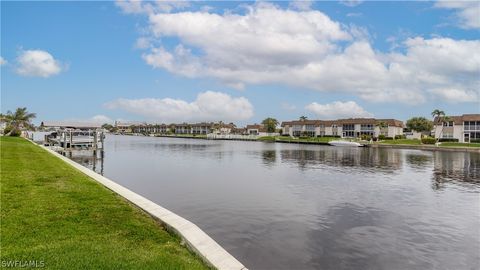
(464, 128)
(345, 128)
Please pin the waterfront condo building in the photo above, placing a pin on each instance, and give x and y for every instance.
(464, 128)
(345, 128)
(256, 129)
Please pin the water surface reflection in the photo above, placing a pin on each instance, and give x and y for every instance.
(282, 206)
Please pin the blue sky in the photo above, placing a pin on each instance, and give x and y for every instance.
(239, 61)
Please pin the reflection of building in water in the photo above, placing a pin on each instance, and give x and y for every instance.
(385, 159)
(418, 160)
(455, 166)
(269, 157)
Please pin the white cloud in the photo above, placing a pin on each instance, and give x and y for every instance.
(208, 106)
(301, 4)
(351, 3)
(101, 119)
(142, 43)
(37, 63)
(2, 61)
(456, 95)
(338, 109)
(149, 7)
(467, 12)
(307, 49)
(354, 14)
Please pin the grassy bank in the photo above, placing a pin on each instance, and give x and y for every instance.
(418, 142)
(306, 139)
(402, 141)
(198, 136)
(53, 214)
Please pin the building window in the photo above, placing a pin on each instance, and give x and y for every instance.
(474, 135)
(366, 127)
(297, 127)
(349, 127)
(471, 125)
(448, 124)
(309, 127)
(447, 135)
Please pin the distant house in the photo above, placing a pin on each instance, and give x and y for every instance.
(126, 127)
(464, 128)
(256, 129)
(412, 134)
(202, 128)
(345, 128)
(224, 129)
(70, 125)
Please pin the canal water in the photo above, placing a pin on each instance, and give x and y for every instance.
(287, 206)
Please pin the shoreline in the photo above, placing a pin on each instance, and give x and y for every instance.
(426, 147)
(196, 240)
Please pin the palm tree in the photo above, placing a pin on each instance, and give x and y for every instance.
(444, 119)
(18, 120)
(303, 118)
(438, 114)
(270, 123)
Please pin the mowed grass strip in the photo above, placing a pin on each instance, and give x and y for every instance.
(52, 213)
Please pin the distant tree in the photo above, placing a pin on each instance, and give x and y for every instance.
(303, 118)
(420, 124)
(440, 118)
(18, 121)
(437, 113)
(271, 124)
(108, 127)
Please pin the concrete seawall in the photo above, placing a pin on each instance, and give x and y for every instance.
(196, 239)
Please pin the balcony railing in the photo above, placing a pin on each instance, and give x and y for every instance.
(471, 128)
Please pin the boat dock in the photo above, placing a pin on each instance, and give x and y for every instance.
(74, 136)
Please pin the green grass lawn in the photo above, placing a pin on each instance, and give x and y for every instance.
(306, 139)
(200, 136)
(52, 213)
(402, 141)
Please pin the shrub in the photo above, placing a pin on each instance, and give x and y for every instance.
(366, 137)
(13, 131)
(475, 140)
(428, 140)
(7, 130)
(397, 137)
(448, 140)
(388, 138)
(381, 137)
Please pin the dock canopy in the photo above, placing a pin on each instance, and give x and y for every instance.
(71, 124)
